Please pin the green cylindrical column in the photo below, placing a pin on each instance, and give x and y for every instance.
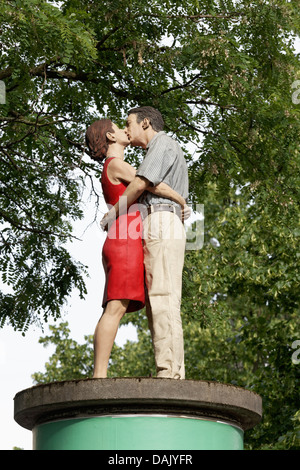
(137, 414)
(145, 432)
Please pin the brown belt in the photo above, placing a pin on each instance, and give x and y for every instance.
(165, 207)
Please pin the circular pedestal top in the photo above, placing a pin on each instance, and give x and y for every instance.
(96, 397)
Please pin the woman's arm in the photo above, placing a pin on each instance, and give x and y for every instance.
(118, 170)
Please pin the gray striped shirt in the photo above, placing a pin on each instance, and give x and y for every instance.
(164, 162)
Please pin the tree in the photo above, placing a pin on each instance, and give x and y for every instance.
(224, 75)
(222, 81)
(39, 185)
(70, 359)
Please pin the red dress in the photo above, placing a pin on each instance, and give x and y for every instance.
(122, 253)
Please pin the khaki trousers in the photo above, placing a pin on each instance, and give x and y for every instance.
(164, 248)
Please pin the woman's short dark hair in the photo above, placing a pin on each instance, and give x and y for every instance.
(154, 116)
(96, 139)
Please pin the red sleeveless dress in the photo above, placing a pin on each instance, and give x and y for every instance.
(122, 253)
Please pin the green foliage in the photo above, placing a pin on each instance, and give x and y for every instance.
(253, 352)
(222, 73)
(70, 359)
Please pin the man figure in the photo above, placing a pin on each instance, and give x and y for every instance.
(163, 234)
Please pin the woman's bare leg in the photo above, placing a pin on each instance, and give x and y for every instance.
(105, 334)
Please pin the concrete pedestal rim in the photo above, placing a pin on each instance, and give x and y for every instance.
(194, 398)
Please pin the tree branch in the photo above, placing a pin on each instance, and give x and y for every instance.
(197, 129)
(211, 103)
(23, 227)
(197, 17)
(184, 85)
(39, 231)
(6, 73)
(106, 36)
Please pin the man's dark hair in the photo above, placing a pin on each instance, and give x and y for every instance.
(154, 116)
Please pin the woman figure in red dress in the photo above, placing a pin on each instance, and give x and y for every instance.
(122, 253)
